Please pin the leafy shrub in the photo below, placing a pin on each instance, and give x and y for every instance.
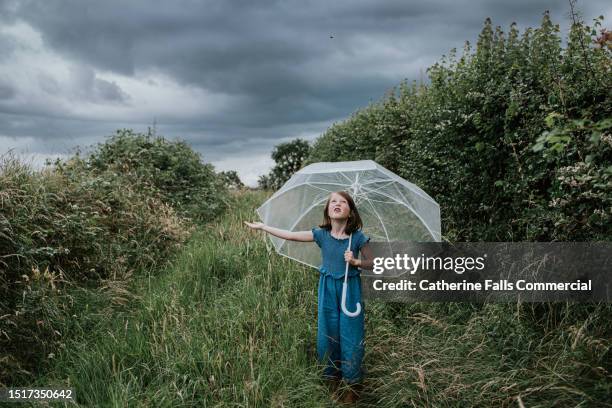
(514, 142)
(173, 170)
(231, 179)
(517, 132)
(90, 223)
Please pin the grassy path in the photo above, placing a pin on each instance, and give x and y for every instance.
(230, 324)
(226, 325)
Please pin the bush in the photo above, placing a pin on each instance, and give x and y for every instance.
(90, 224)
(171, 170)
(514, 141)
(231, 179)
(518, 132)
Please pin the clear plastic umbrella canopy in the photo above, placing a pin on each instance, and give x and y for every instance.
(391, 208)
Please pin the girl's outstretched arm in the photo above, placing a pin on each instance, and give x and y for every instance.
(302, 236)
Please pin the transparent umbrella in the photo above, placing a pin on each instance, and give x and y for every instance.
(391, 208)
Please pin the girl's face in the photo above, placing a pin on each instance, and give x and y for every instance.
(338, 207)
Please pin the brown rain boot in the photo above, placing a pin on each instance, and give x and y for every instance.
(332, 384)
(351, 393)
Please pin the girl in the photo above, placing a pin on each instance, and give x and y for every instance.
(340, 338)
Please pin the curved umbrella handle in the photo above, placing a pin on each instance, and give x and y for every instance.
(344, 289)
(344, 309)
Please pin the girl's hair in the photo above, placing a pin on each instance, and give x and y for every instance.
(354, 220)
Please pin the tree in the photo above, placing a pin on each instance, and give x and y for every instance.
(289, 158)
(231, 179)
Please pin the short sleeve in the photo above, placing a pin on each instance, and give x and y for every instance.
(316, 234)
(364, 239)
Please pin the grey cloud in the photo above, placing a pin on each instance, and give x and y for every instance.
(7, 46)
(109, 91)
(275, 57)
(48, 84)
(8, 9)
(6, 90)
(86, 85)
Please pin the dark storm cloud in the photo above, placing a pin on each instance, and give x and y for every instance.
(53, 129)
(6, 90)
(7, 45)
(7, 10)
(290, 67)
(88, 86)
(254, 48)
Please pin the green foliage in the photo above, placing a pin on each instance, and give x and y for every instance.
(264, 182)
(581, 193)
(91, 223)
(230, 324)
(67, 228)
(517, 131)
(231, 179)
(171, 169)
(288, 158)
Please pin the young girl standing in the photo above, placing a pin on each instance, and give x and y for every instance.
(340, 338)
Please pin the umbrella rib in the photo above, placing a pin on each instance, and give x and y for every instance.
(325, 182)
(306, 212)
(302, 216)
(400, 193)
(378, 188)
(384, 194)
(280, 193)
(312, 185)
(414, 212)
(346, 177)
(378, 181)
(404, 197)
(385, 202)
(411, 186)
(380, 219)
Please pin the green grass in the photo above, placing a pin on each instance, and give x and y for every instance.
(233, 324)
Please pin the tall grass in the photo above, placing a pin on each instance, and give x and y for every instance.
(231, 323)
(228, 324)
(83, 227)
(64, 232)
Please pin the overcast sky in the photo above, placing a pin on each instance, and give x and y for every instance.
(233, 78)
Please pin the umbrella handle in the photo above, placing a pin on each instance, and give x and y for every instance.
(344, 309)
(344, 290)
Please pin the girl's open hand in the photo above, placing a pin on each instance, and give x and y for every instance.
(255, 225)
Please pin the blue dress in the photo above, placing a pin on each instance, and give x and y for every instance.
(340, 338)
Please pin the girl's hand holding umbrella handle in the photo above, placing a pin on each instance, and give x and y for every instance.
(365, 262)
(348, 257)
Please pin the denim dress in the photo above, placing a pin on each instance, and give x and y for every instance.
(340, 338)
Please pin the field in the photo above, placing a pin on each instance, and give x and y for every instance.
(231, 323)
